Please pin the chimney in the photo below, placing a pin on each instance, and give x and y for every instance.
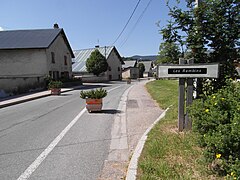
(55, 26)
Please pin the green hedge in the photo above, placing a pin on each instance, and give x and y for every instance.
(216, 118)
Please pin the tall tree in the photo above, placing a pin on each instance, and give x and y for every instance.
(96, 63)
(168, 53)
(141, 69)
(210, 31)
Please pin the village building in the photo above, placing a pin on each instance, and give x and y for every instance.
(130, 70)
(28, 57)
(148, 68)
(114, 61)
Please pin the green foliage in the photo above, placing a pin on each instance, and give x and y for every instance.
(168, 154)
(216, 118)
(96, 63)
(93, 94)
(210, 32)
(169, 53)
(141, 69)
(54, 84)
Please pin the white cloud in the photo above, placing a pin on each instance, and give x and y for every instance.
(1, 29)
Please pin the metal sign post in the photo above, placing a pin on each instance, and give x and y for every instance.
(188, 122)
(181, 99)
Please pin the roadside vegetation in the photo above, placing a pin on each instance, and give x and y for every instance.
(208, 32)
(167, 153)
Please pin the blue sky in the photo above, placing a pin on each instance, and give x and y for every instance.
(91, 22)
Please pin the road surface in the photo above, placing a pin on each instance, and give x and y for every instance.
(56, 138)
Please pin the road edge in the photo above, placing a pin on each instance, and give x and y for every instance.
(132, 167)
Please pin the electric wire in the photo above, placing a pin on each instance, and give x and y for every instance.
(127, 22)
(138, 20)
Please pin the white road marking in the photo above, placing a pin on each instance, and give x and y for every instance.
(114, 88)
(27, 173)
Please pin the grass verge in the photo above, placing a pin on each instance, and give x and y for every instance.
(168, 154)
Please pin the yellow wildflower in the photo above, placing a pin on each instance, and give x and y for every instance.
(206, 110)
(232, 173)
(215, 103)
(214, 97)
(222, 99)
(218, 156)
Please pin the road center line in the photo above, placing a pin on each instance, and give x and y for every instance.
(27, 173)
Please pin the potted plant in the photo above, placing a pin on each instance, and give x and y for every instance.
(128, 80)
(55, 87)
(93, 99)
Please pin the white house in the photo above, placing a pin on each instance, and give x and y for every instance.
(27, 57)
(130, 69)
(114, 61)
(148, 68)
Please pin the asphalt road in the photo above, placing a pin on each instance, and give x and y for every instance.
(56, 138)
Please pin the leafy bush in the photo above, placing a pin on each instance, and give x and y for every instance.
(93, 94)
(216, 118)
(96, 63)
(55, 84)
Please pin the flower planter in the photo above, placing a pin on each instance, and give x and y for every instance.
(56, 91)
(93, 104)
(128, 81)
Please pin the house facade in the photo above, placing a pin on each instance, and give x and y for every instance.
(27, 57)
(148, 68)
(114, 61)
(130, 70)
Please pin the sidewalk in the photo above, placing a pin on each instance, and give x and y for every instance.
(28, 97)
(137, 115)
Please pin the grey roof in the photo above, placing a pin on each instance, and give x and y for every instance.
(30, 39)
(129, 64)
(81, 56)
(147, 64)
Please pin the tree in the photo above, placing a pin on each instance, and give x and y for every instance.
(141, 69)
(96, 63)
(169, 53)
(210, 32)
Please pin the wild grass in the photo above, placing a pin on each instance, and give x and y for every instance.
(169, 154)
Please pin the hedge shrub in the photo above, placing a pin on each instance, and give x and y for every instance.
(216, 119)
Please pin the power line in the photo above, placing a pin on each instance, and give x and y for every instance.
(138, 20)
(127, 22)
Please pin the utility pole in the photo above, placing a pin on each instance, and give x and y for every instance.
(197, 2)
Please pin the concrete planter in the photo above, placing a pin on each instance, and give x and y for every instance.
(93, 105)
(56, 91)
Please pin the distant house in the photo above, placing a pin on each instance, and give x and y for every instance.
(114, 61)
(27, 57)
(130, 70)
(148, 68)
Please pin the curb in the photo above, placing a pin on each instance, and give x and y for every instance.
(132, 168)
(32, 98)
(23, 100)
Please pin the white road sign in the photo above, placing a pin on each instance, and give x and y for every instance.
(188, 71)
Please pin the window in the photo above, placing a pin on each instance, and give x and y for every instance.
(65, 60)
(53, 57)
(118, 68)
(55, 75)
(109, 68)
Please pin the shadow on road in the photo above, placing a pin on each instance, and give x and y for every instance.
(65, 94)
(109, 111)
